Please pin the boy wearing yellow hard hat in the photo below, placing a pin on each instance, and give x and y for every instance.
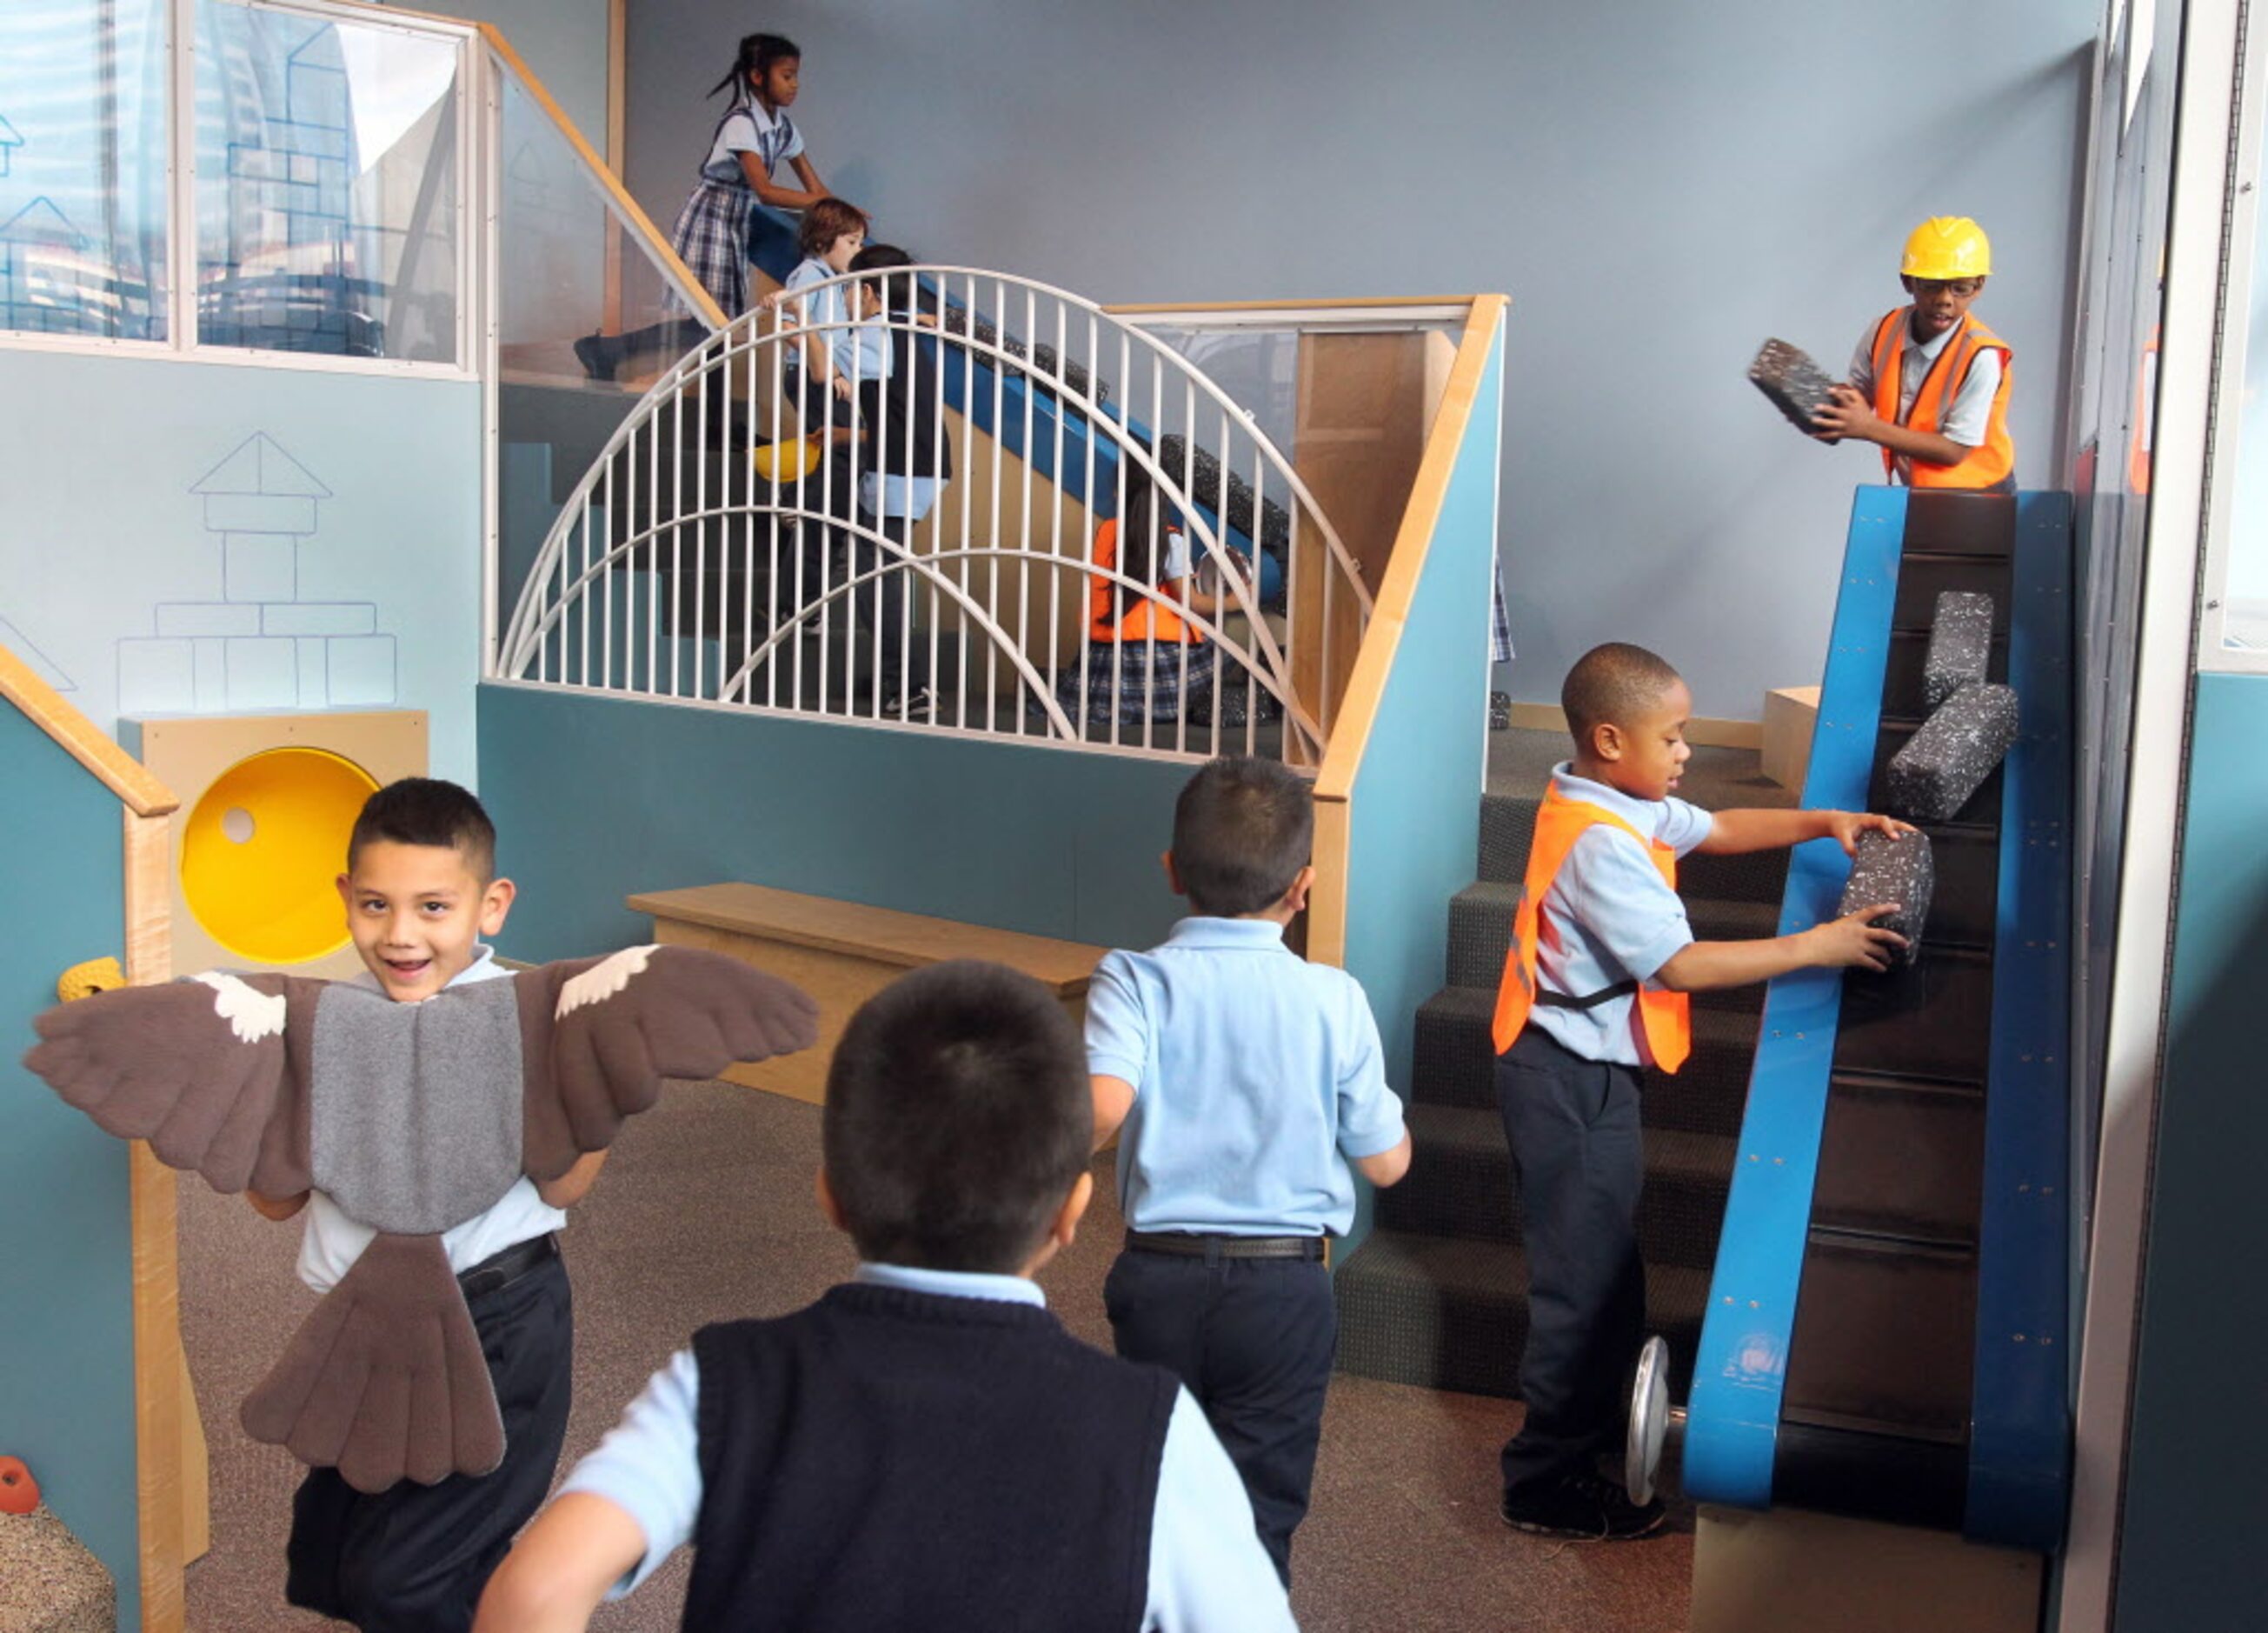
(1929, 383)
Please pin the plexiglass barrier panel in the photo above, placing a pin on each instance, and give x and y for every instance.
(83, 143)
(326, 163)
(585, 317)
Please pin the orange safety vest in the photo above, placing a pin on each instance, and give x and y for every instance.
(1144, 619)
(1665, 1016)
(1991, 461)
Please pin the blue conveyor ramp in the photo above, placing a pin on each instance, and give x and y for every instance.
(1886, 1334)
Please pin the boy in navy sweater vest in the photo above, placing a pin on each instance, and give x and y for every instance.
(925, 1446)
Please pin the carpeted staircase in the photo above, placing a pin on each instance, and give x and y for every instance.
(1438, 1294)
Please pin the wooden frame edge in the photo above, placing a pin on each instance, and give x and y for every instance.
(1702, 731)
(80, 737)
(1144, 308)
(162, 1504)
(691, 286)
(1389, 614)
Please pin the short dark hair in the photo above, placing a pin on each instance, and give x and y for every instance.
(826, 221)
(958, 1118)
(1243, 830)
(897, 294)
(1613, 685)
(426, 811)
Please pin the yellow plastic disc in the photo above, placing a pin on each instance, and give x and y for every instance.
(262, 848)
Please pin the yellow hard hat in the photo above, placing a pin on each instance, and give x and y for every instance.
(785, 461)
(1947, 246)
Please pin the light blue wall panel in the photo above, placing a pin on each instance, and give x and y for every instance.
(1416, 797)
(66, 1270)
(196, 538)
(596, 798)
(1660, 186)
(2190, 1554)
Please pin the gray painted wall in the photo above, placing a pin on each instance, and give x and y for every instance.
(1660, 186)
(563, 41)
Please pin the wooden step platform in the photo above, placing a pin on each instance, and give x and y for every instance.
(842, 953)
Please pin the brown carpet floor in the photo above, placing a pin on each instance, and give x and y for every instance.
(705, 1212)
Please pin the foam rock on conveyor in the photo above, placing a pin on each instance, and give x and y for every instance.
(1951, 755)
(1798, 386)
(1900, 870)
(1960, 645)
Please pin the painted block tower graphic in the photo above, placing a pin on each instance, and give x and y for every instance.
(261, 646)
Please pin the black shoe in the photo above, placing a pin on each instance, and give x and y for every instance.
(1580, 1505)
(1500, 711)
(597, 355)
(917, 705)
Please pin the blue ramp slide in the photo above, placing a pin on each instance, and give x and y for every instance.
(1886, 1334)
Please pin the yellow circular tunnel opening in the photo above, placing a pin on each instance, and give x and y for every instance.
(262, 847)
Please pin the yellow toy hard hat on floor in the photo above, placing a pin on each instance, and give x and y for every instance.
(1947, 246)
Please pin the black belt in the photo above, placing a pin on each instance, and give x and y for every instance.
(499, 1271)
(1551, 999)
(1187, 1245)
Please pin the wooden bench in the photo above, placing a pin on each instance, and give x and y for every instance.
(842, 953)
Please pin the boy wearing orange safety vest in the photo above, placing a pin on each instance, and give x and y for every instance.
(1929, 383)
(1594, 990)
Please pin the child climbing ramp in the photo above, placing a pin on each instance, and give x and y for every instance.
(710, 235)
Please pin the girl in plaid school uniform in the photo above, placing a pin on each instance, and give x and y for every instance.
(711, 234)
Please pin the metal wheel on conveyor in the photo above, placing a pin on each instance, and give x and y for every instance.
(1885, 1318)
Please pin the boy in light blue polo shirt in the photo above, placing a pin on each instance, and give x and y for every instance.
(1248, 1090)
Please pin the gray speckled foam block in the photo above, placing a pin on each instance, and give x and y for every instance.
(1951, 755)
(1898, 870)
(1798, 386)
(1960, 645)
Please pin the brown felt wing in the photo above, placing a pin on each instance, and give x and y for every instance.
(599, 1035)
(384, 1380)
(211, 1071)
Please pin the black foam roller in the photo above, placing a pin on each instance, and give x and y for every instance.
(1888, 869)
(1798, 386)
(1951, 755)
(1960, 645)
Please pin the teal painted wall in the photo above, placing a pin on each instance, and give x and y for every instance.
(2190, 1554)
(597, 798)
(1417, 798)
(66, 1272)
(199, 538)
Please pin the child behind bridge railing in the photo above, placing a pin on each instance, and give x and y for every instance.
(1145, 660)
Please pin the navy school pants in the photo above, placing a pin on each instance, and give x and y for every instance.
(1573, 1124)
(1252, 1339)
(412, 1558)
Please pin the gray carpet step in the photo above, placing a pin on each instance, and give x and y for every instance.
(1454, 1064)
(1480, 933)
(1451, 1312)
(1508, 823)
(1461, 1184)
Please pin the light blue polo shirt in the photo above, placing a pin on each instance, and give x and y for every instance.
(1258, 1077)
(1207, 1568)
(1609, 917)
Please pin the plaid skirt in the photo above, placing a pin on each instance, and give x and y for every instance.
(711, 238)
(1156, 693)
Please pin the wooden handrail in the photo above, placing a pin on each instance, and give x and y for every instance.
(689, 286)
(84, 742)
(1389, 616)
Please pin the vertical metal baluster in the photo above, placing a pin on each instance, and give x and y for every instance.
(676, 531)
(1083, 589)
(937, 462)
(607, 602)
(778, 388)
(993, 561)
(1252, 694)
(702, 380)
(968, 398)
(874, 553)
(1024, 526)
(1055, 505)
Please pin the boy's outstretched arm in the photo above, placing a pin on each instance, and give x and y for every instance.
(561, 1568)
(1758, 829)
(573, 1186)
(1851, 415)
(1846, 942)
(1114, 1098)
(1387, 1167)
